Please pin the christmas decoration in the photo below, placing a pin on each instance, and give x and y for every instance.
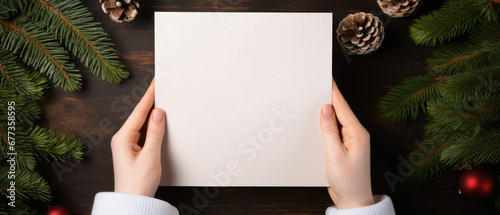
(399, 8)
(120, 10)
(476, 184)
(58, 210)
(360, 33)
(455, 18)
(37, 35)
(460, 94)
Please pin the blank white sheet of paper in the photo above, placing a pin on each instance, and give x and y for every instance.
(242, 93)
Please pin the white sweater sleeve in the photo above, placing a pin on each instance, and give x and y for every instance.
(109, 203)
(383, 206)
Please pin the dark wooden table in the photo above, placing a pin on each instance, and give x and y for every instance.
(96, 112)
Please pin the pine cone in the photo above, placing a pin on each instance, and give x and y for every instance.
(360, 33)
(120, 10)
(399, 8)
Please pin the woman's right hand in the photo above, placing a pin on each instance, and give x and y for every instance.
(347, 154)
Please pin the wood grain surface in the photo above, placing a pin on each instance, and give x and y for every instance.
(98, 111)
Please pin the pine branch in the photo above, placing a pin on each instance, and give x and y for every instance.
(12, 8)
(481, 50)
(51, 146)
(31, 187)
(73, 24)
(25, 157)
(38, 49)
(454, 18)
(410, 98)
(17, 80)
(32, 191)
(26, 111)
(431, 165)
(20, 209)
(468, 116)
(454, 58)
(486, 32)
(478, 150)
(473, 85)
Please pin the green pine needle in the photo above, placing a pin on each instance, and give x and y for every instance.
(457, 57)
(26, 110)
(32, 191)
(18, 80)
(460, 93)
(51, 146)
(31, 187)
(37, 33)
(470, 116)
(24, 154)
(454, 18)
(482, 49)
(21, 208)
(473, 85)
(10, 9)
(37, 48)
(73, 24)
(430, 165)
(410, 98)
(474, 150)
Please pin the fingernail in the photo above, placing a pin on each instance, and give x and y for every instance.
(158, 115)
(327, 111)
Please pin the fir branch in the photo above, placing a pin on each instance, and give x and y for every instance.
(431, 166)
(482, 50)
(25, 158)
(26, 110)
(16, 79)
(478, 150)
(468, 116)
(51, 146)
(455, 58)
(38, 49)
(486, 31)
(73, 24)
(473, 85)
(20, 209)
(410, 98)
(12, 8)
(31, 190)
(454, 18)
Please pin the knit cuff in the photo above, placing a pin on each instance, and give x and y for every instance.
(383, 206)
(109, 203)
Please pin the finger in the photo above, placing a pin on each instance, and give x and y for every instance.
(344, 113)
(333, 196)
(330, 130)
(137, 118)
(155, 133)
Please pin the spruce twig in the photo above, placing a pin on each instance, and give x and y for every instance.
(18, 80)
(454, 18)
(50, 146)
(463, 105)
(37, 48)
(73, 24)
(477, 150)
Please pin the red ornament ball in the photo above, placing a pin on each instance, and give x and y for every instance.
(58, 210)
(476, 184)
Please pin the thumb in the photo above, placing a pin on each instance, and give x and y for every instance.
(330, 128)
(155, 133)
